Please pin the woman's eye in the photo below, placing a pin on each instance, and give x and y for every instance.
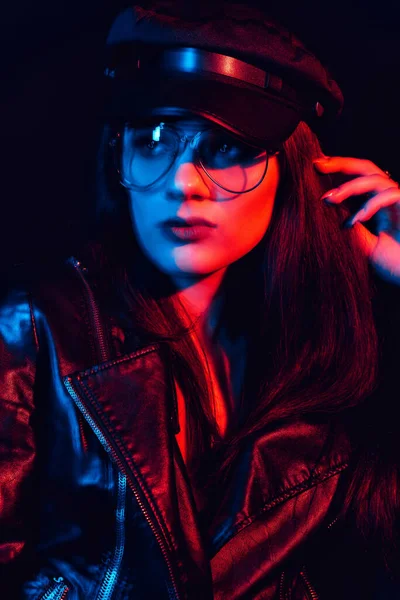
(146, 143)
(228, 149)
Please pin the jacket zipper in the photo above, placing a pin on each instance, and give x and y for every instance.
(311, 591)
(97, 325)
(94, 311)
(115, 458)
(111, 577)
(57, 591)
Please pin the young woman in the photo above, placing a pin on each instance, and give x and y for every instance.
(194, 408)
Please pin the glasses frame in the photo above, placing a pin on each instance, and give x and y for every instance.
(116, 145)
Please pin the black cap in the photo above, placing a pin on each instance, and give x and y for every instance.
(233, 66)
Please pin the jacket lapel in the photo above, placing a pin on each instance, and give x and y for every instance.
(129, 404)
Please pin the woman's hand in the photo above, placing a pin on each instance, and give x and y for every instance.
(382, 250)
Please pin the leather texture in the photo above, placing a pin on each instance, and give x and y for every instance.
(96, 502)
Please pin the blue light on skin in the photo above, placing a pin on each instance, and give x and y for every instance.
(198, 268)
(241, 220)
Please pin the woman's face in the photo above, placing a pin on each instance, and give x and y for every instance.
(240, 220)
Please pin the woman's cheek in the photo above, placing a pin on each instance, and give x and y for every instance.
(249, 226)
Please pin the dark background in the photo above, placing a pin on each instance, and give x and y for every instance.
(52, 64)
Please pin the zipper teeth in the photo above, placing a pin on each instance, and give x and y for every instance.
(281, 584)
(333, 522)
(111, 576)
(311, 590)
(64, 594)
(116, 459)
(94, 311)
(58, 591)
(82, 433)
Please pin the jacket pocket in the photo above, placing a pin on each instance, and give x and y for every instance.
(57, 589)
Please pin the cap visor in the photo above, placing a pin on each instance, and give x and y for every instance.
(257, 116)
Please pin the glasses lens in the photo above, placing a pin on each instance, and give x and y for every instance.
(231, 163)
(148, 153)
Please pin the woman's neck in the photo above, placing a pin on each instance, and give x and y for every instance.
(225, 357)
(202, 300)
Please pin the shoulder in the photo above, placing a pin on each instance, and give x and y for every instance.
(50, 312)
(286, 459)
(286, 485)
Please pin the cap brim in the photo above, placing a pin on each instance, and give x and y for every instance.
(261, 118)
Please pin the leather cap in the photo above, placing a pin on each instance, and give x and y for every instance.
(232, 65)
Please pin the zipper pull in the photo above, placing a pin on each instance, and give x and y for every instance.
(77, 264)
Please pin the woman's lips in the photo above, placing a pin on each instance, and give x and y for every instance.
(188, 234)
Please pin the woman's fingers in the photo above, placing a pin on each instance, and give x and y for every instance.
(360, 185)
(348, 166)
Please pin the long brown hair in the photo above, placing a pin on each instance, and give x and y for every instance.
(307, 315)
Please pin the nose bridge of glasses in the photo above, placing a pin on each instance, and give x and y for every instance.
(187, 152)
(189, 140)
(187, 163)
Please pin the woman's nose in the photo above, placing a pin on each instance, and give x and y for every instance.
(190, 176)
(187, 175)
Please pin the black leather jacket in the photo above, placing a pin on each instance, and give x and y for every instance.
(95, 499)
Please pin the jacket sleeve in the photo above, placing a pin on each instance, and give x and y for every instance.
(18, 351)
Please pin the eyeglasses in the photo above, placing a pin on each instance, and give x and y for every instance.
(144, 155)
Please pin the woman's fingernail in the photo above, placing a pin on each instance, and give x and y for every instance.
(328, 197)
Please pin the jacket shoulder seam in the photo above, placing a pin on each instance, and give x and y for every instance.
(287, 494)
(309, 483)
